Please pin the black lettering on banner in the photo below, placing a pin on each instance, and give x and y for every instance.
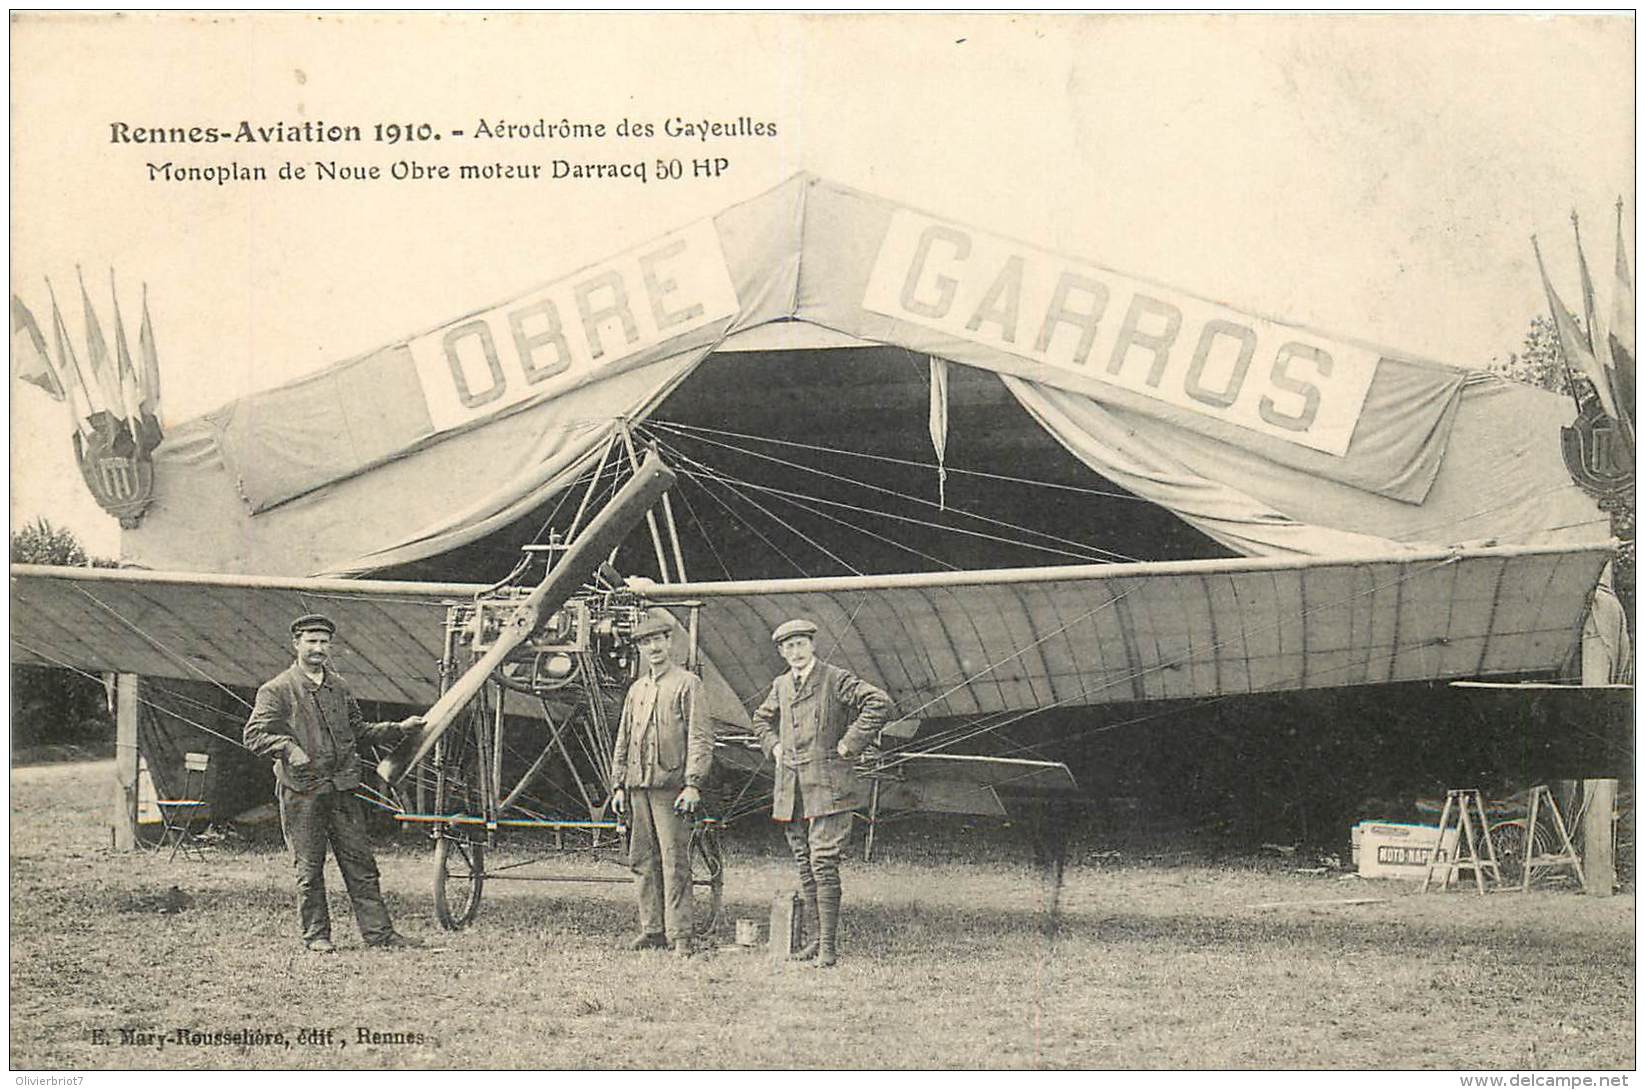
(658, 289)
(1280, 376)
(1229, 394)
(527, 343)
(617, 308)
(1001, 302)
(961, 242)
(1085, 320)
(1158, 343)
(453, 340)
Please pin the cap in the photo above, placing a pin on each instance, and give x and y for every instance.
(655, 621)
(793, 628)
(313, 622)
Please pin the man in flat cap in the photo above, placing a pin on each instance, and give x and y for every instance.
(814, 723)
(664, 751)
(306, 720)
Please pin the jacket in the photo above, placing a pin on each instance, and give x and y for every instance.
(833, 705)
(673, 748)
(323, 719)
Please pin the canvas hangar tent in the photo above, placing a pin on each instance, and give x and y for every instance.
(851, 385)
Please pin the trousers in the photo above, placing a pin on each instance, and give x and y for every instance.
(659, 854)
(311, 821)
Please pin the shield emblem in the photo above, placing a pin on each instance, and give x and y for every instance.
(122, 483)
(1596, 454)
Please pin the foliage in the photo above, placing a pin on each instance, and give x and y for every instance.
(50, 705)
(1540, 361)
(42, 543)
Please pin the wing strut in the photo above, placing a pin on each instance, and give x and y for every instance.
(579, 562)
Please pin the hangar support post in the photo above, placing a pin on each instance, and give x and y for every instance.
(123, 819)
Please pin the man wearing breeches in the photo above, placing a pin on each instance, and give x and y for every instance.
(662, 758)
(814, 723)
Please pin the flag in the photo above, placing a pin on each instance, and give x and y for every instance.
(1589, 317)
(1621, 337)
(28, 351)
(939, 424)
(131, 396)
(1599, 343)
(97, 355)
(69, 368)
(150, 374)
(1572, 342)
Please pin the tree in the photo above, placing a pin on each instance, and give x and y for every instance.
(42, 543)
(1540, 361)
(51, 704)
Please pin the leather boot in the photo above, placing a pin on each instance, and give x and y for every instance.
(828, 924)
(809, 926)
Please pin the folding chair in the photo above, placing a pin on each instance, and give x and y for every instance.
(177, 816)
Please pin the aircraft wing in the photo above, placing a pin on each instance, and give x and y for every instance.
(953, 644)
(229, 629)
(943, 644)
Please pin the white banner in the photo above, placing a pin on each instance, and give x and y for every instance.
(1089, 324)
(565, 334)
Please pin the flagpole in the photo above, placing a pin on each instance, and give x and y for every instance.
(1588, 317)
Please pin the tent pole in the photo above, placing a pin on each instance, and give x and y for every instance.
(674, 537)
(650, 516)
(123, 823)
(582, 508)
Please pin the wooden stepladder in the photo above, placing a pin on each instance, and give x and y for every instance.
(1542, 804)
(1464, 811)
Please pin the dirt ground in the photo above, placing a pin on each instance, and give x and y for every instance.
(959, 953)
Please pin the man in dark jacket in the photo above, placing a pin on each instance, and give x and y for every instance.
(664, 751)
(308, 723)
(814, 723)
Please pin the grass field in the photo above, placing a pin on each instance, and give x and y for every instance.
(1146, 963)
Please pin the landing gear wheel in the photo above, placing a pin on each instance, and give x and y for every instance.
(459, 879)
(707, 877)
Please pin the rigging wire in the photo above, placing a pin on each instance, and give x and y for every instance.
(796, 498)
(904, 461)
(702, 530)
(157, 645)
(1098, 553)
(1103, 728)
(730, 487)
(751, 527)
(730, 483)
(168, 712)
(1204, 702)
(571, 487)
(991, 667)
(849, 525)
(965, 731)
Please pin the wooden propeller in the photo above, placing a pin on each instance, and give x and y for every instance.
(579, 562)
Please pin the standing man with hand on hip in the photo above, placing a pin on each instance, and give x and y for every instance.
(664, 752)
(814, 723)
(307, 721)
